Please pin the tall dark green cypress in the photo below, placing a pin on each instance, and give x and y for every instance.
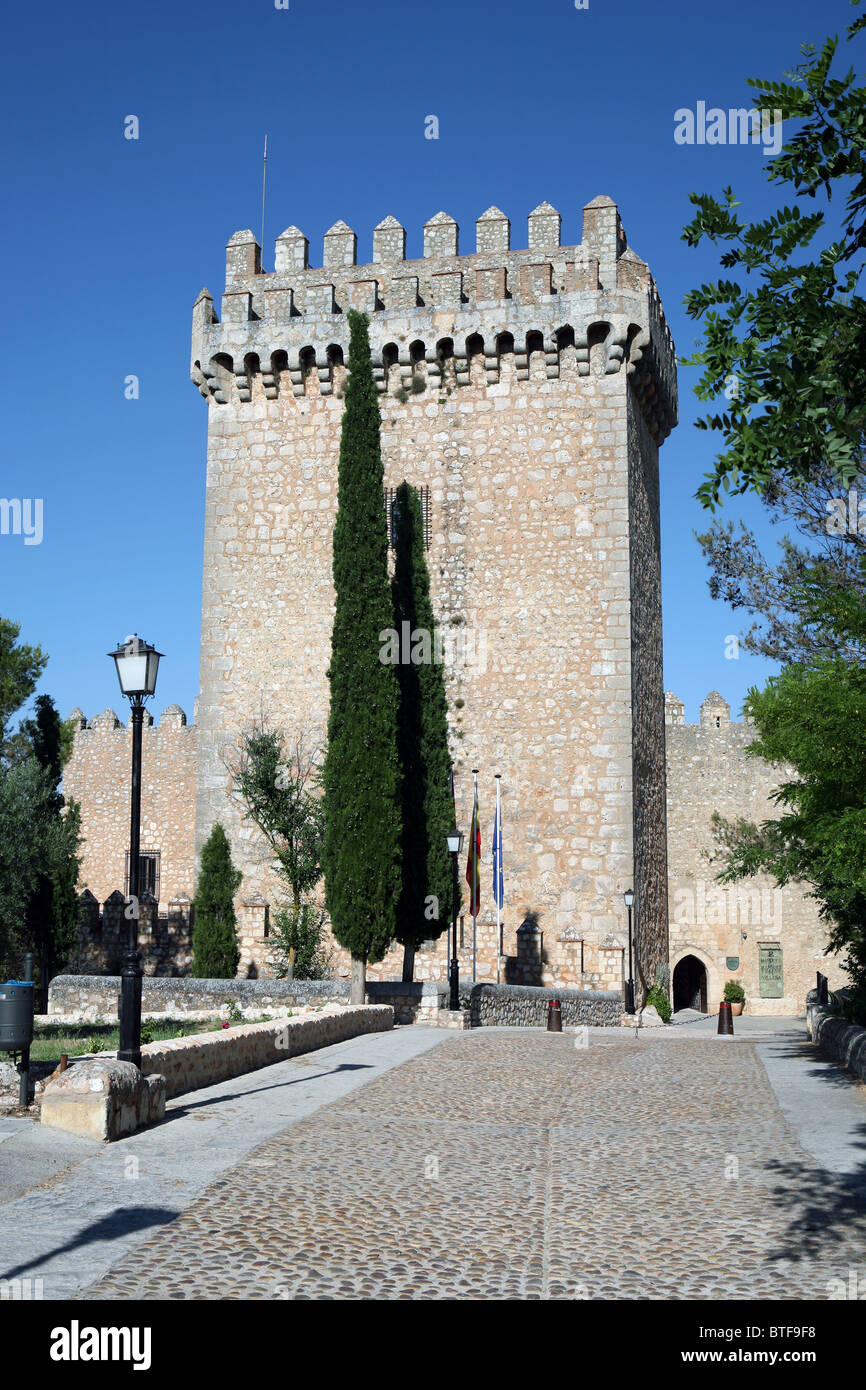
(52, 911)
(361, 856)
(425, 898)
(214, 938)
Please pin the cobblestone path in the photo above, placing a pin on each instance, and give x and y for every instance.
(519, 1165)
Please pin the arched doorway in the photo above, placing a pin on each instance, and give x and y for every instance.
(690, 985)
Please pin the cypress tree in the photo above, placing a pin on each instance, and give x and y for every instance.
(425, 896)
(361, 773)
(214, 938)
(52, 911)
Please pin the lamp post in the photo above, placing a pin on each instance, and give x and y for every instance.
(137, 665)
(629, 987)
(455, 844)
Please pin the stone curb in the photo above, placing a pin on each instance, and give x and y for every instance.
(844, 1042)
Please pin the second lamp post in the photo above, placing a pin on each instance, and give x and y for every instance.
(629, 987)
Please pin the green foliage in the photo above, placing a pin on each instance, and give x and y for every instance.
(810, 722)
(361, 773)
(422, 732)
(39, 866)
(20, 669)
(52, 912)
(789, 348)
(300, 938)
(658, 998)
(768, 589)
(215, 944)
(734, 992)
(280, 794)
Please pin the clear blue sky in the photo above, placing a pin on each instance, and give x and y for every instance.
(108, 241)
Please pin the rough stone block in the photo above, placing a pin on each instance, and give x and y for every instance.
(102, 1098)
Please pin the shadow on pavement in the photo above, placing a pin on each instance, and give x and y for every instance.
(257, 1091)
(123, 1222)
(822, 1205)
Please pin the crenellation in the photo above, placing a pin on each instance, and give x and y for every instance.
(492, 233)
(243, 257)
(389, 241)
(291, 252)
(441, 237)
(584, 325)
(545, 228)
(340, 247)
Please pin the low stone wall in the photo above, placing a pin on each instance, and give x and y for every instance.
(844, 1042)
(93, 998)
(489, 1005)
(416, 1002)
(205, 1058)
(525, 1006)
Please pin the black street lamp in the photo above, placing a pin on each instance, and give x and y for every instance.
(629, 987)
(455, 844)
(137, 665)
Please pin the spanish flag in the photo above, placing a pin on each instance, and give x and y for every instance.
(473, 863)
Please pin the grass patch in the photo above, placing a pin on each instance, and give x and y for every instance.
(75, 1039)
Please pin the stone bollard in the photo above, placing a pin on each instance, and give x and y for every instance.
(554, 1016)
(102, 1098)
(726, 1021)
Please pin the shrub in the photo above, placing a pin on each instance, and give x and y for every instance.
(215, 942)
(299, 938)
(658, 998)
(734, 992)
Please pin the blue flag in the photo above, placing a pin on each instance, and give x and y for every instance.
(498, 882)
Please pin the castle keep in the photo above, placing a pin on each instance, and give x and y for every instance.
(527, 391)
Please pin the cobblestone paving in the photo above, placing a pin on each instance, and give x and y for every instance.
(505, 1165)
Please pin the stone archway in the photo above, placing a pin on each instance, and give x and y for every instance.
(690, 984)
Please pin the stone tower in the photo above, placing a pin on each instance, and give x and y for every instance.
(528, 391)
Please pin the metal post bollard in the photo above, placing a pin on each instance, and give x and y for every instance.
(726, 1020)
(554, 1016)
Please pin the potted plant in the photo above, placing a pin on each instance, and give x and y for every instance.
(735, 995)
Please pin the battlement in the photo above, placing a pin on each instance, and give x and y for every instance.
(443, 319)
(715, 713)
(172, 717)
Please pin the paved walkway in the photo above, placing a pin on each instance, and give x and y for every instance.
(71, 1208)
(513, 1164)
(502, 1163)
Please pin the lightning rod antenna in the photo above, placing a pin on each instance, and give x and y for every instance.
(264, 181)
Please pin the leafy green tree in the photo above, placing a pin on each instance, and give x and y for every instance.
(279, 794)
(300, 938)
(214, 940)
(23, 789)
(51, 916)
(422, 734)
(20, 669)
(811, 722)
(361, 772)
(789, 352)
(816, 541)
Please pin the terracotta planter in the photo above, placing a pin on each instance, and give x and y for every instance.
(737, 1007)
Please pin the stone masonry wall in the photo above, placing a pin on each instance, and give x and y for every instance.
(648, 704)
(507, 380)
(708, 771)
(98, 776)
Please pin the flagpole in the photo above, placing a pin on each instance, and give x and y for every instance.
(475, 875)
(498, 859)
